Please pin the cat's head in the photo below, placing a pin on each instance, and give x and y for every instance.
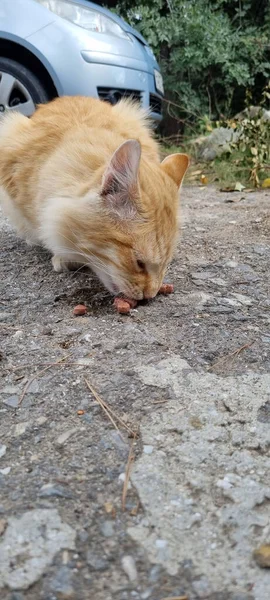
(132, 229)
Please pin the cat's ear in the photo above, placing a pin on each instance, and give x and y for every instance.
(175, 166)
(120, 182)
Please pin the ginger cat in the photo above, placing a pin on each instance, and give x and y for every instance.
(83, 178)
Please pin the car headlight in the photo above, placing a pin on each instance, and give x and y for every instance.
(84, 17)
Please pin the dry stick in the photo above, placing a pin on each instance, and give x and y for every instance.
(101, 403)
(234, 353)
(127, 475)
(109, 410)
(38, 375)
(176, 598)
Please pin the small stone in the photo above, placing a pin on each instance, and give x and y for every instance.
(202, 274)
(148, 449)
(64, 437)
(20, 428)
(40, 529)
(96, 562)
(16, 596)
(47, 330)
(12, 401)
(3, 526)
(202, 587)
(263, 415)
(50, 490)
(41, 420)
(129, 567)
(107, 529)
(18, 334)
(262, 556)
(5, 471)
(3, 449)
(62, 583)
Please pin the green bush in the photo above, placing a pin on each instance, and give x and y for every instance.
(210, 52)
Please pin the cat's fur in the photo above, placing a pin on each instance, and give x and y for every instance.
(84, 179)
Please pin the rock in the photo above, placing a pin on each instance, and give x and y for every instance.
(263, 414)
(215, 144)
(202, 275)
(107, 529)
(64, 437)
(129, 566)
(16, 596)
(41, 420)
(57, 491)
(148, 449)
(3, 449)
(62, 583)
(29, 545)
(3, 525)
(12, 401)
(96, 562)
(262, 556)
(253, 111)
(20, 428)
(5, 471)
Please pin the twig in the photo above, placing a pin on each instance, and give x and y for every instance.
(38, 375)
(176, 598)
(110, 413)
(127, 475)
(159, 401)
(101, 403)
(234, 353)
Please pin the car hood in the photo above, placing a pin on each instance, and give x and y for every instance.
(115, 18)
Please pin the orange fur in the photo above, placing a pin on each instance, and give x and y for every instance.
(84, 179)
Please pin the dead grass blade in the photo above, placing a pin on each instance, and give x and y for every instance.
(26, 387)
(231, 355)
(109, 412)
(102, 405)
(176, 598)
(127, 475)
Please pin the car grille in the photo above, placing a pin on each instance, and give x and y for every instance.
(155, 104)
(114, 95)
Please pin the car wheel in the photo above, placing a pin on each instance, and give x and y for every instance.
(20, 89)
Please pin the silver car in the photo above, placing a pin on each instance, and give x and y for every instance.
(51, 48)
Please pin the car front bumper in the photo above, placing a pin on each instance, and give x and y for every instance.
(95, 73)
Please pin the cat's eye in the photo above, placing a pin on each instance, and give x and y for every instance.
(141, 265)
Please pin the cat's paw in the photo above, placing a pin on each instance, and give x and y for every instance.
(59, 264)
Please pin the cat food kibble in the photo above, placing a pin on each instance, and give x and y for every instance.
(123, 306)
(79, 310)
(166, 288)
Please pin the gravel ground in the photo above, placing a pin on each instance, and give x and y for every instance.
(189, 373)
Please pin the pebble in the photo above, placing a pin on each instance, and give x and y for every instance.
(3, 526)
(62, 583)
(107, 529)
(12, 401)
(96, 562)
(129, 567)
(64, 437)
(3, 449)
(5, 471)
(18, 334)
(41, 420)
(148, 449)
(50, 490)
(20, 428)
(262, 556)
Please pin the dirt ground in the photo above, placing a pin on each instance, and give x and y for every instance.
(189, 373)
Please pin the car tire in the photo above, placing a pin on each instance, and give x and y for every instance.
(20, 89)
